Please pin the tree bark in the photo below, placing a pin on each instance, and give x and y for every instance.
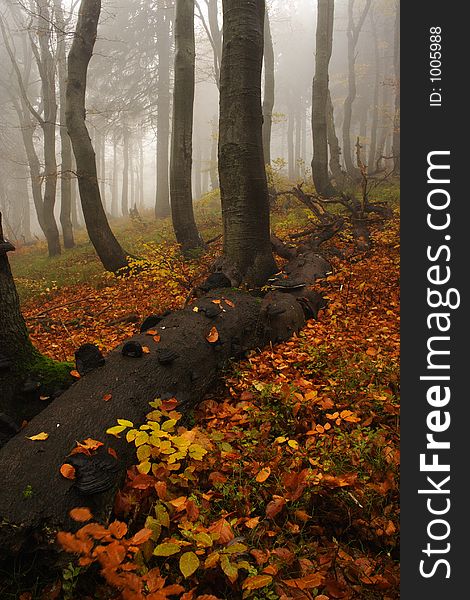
(371, 163)
(396, 122)
(182, 212)
(269, 82)
(65, 145)
(125, 172)
(243, 184)
(353, 31)
(324, 46)
(107, 247)
(16, 350)
(162, 202)
(335, 151)
(46, 67)
(114, 189)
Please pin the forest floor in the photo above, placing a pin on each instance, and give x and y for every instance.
(291, 491)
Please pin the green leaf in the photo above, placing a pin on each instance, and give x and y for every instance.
(169, 425)
(196, 451)
(162, 515)
(167, 549)
(204, 539)
(155, 526)
(143, 452)
(236, 548)
(144, 467)
(228, 568)
(189, 563)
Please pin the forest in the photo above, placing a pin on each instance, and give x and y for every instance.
(199, 299)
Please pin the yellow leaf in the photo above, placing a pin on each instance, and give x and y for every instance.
(125, 423)
(144, 467)
(189, 563)
(38, 437)
(293, 444)
(143, 452)
(166, 549)
(256, 582)
(116, 430)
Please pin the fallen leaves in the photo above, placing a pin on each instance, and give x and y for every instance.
(67, 471)
(213, 335)
(39, 437)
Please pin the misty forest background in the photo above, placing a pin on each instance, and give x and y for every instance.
(199, 210)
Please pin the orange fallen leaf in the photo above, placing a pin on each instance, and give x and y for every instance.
(216, 301)
(81, 514)
(67, 471)
(263, 475)
(156, 338)
(90, 444)
(151, 332)
(229, 303)
(75, 374)
(212, 336)
(107, 397)
(145, 349)
(39, 437)
(113, 453)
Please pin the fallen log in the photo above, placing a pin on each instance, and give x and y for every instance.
(35, 498)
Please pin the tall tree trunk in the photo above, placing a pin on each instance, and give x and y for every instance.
(298, 141)
(243, 184)
(16, 350)
(114, 196)
(182, 129)
(324, 45)
(141, 172)
(396, 122)
(46, 67)
(103, 170)
(371, 162)
(107, 247)
(290, 143)
(213, 170)
(268, 101)
(65, 145)
(353, 32)
(125, 173)
(335, 151)
(162, 202)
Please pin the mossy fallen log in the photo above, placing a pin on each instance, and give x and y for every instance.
(35, 498)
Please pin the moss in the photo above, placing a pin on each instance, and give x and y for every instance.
(52, 375)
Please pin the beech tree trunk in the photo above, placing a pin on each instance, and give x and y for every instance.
(324, 46)
(375, 103)
(182, 211)
(268, 101)
(335, 151)
(107, 247)
(65, 145)
(353, 31)
(16, 350)
(396, 122)
(46, 67)
(125, 172)
(243, 184)
(162, 201)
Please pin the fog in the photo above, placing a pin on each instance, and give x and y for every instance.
(130, 84)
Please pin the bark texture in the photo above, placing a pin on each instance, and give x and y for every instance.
(269, 82)
(353, 31)
(324, 46)
(107, 247)
(182, 212)
(243, 184)
(162, 202)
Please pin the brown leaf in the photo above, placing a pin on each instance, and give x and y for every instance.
(223, 529)
(141, 537)
(275, 506)
(305, 583)
(118, 529)
(107, 397)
